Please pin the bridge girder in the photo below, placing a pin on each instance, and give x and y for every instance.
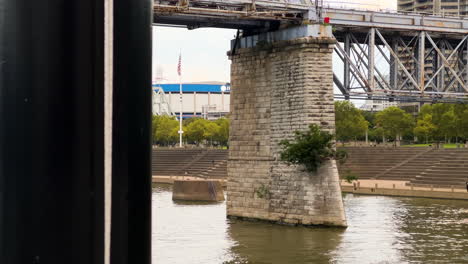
(378, 51)
(417, 67)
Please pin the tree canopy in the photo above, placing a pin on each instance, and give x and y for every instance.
(394, 121)
(350, 122)
(196, 131)
(165, 130)
(434, 123)
(446, 122)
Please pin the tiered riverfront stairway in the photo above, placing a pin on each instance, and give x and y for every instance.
(205, 163)
(418, 166)
(171, 162)
(450, 170)
(369, 162)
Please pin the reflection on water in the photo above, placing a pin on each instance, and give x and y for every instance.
(258, 242)
(381, 230)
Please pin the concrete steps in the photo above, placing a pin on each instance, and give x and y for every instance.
(369, 162)
(205, 163)
(419, 166)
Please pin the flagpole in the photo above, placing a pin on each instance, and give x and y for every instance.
(180, 94)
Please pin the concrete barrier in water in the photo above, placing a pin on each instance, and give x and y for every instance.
(198, 190)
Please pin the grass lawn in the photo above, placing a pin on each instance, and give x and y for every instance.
(427, 145)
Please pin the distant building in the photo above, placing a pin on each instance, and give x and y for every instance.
(209, 101)
(377, 105)
(434, 7)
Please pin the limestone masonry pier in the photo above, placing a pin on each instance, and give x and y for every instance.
(280, 86)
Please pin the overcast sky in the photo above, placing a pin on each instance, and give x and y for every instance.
(204, 50)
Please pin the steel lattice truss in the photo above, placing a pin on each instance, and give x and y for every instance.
(161, 105)
(402, 65)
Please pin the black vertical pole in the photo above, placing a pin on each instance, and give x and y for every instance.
(131, 194)
(51, 131)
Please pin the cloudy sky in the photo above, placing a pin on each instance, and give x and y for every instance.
(204, 50)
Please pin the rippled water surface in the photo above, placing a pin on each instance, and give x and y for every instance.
(381, 230)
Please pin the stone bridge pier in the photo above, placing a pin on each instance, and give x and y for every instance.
(281, 82)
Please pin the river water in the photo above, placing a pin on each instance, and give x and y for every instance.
(381, 230)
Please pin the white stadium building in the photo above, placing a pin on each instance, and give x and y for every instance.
(209, 101)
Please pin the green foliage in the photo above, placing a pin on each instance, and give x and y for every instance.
(187, 121)
(394, 121)
(424, 127)
(341, 155)
(463, 123)
(370, 117)
(446, 120)
(196, 131)
(350, 122)
(350, 176)
(436, 122)
(165, 130)
(309, 148)
(377, 134)
(262, 192)
(222, 134)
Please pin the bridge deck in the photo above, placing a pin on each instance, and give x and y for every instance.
(245, 14)
(237, 14)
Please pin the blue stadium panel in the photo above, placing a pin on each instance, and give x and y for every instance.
(190, 88)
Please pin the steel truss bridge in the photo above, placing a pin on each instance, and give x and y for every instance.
(380, 55)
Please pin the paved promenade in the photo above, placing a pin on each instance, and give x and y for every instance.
(368, 187)
(171, 179)
(401, 188)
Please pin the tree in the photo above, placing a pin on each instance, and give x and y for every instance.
(377, 134)
(370, 117)
(198, 130)
(211, 129)
(222, 135)
(448, 126)
(394, 121)
(447, 120)
(163, 130)
(460, 111)
(463, 124)
(187, 121)
(350, 122)
(424, 127)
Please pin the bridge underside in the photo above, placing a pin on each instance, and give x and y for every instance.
(377, 55)
(240, 14)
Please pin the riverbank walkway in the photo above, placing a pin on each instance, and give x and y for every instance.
(366, 187)
(402, 188)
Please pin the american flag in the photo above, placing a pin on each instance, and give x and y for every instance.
(179, 66)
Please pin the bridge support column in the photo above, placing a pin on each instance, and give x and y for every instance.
(279, 87)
